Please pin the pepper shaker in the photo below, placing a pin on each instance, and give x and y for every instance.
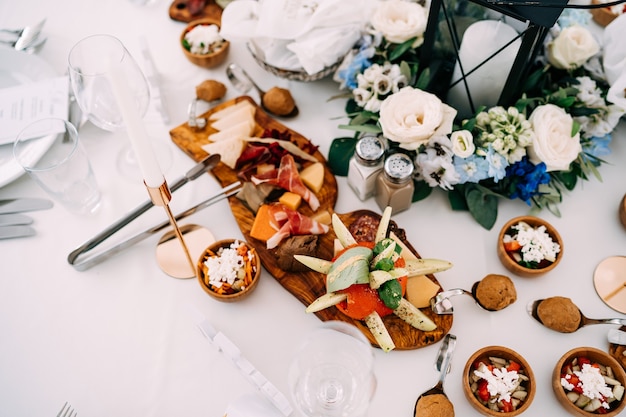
(394, 185)
(366, 164)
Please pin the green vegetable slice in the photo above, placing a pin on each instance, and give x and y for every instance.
(390, 292)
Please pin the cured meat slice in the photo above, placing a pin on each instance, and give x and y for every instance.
(290, 222)
(287, 177)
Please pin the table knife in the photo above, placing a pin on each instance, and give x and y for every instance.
(16, 205)
(617, 337)
(13, 219)
(10, 232)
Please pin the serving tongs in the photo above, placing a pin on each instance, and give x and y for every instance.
(81, 260)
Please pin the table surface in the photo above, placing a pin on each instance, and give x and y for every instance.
(119, 339)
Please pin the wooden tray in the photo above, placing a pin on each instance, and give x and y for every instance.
(306, 286)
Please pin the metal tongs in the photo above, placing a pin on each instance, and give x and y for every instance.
(79, 257)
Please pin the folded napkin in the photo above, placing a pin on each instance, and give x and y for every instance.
(614, 60)
(297, 34)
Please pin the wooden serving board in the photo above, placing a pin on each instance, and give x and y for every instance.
(309, 285)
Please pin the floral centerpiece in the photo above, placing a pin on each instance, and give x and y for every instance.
(554, 135)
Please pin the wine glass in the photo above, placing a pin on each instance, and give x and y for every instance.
(91, 62)
(332, 373)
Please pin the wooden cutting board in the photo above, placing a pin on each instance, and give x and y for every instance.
(306, 286)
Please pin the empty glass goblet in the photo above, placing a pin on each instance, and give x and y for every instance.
(332, 373)
(91, 62)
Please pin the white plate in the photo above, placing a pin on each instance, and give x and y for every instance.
(19, 68)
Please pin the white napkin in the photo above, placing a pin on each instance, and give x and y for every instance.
(614, 58)
(297, 34)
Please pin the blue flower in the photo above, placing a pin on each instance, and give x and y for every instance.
(360, 62)
(598, 146)
(497, 164)
(527, 178)
(571, 17)
(471, 169)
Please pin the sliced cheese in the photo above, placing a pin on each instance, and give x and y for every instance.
(228, 149)
(313, 176)
(243, 114)
(419, 291)
(290, 200)
(261, 227)
(230, 109)
(240, 130)
(406, 253)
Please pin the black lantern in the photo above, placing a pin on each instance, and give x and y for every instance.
(497, 59)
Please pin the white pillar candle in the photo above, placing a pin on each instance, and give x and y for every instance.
(150, 169)
(480, 41)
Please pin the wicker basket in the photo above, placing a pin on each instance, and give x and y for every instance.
(602, 16)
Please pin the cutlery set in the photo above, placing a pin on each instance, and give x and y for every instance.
(26, 39)
(12, 223)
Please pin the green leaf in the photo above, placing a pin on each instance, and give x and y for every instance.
(362, 128)
(456, 197)
(399, 50)
(482, 206)
(421, 191)
(391, 293)
(341, 150)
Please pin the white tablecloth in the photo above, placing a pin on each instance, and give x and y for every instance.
(118, 339)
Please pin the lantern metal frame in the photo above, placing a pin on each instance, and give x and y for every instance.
(539, 20)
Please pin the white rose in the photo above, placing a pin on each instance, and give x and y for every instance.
(462, 143)
(400, 20)
(553, 143)
(572, 48)
(411, 116)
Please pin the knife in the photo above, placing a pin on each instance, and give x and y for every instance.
(16, 205)
(617, 337)
(154, 80)
(13, 219)
(9, 232)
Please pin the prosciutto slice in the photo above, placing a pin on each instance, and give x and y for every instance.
(287, 178)
(290, 222)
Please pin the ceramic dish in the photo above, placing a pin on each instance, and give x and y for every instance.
(520, 403)
(512, 265)
(594, 356)
(19, 68)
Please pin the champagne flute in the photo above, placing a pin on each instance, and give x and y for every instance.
(91, 62)
(332, 373)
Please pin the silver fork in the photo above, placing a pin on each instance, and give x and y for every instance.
(67, 411)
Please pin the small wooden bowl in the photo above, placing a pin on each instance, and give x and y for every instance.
(504, 353)
(201, 271)
(602, 16)
(510, 264)
(205, 60)
(595, 355)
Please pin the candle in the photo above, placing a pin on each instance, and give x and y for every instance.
(480, 41)
(150, 170)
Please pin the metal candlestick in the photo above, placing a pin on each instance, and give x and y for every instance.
(167, 255)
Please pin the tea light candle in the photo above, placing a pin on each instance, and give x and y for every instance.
(480, 41)
(150, 169)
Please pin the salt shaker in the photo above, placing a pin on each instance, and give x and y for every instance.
(394, 185)
(366, 164)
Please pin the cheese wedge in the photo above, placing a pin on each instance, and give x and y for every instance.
(240, 130)
(419, 291)
(229, 149)
(243, 114)
(313, 176)
(230, 109)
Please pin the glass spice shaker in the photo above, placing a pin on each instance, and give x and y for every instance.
(366, 164)
(394, 185)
